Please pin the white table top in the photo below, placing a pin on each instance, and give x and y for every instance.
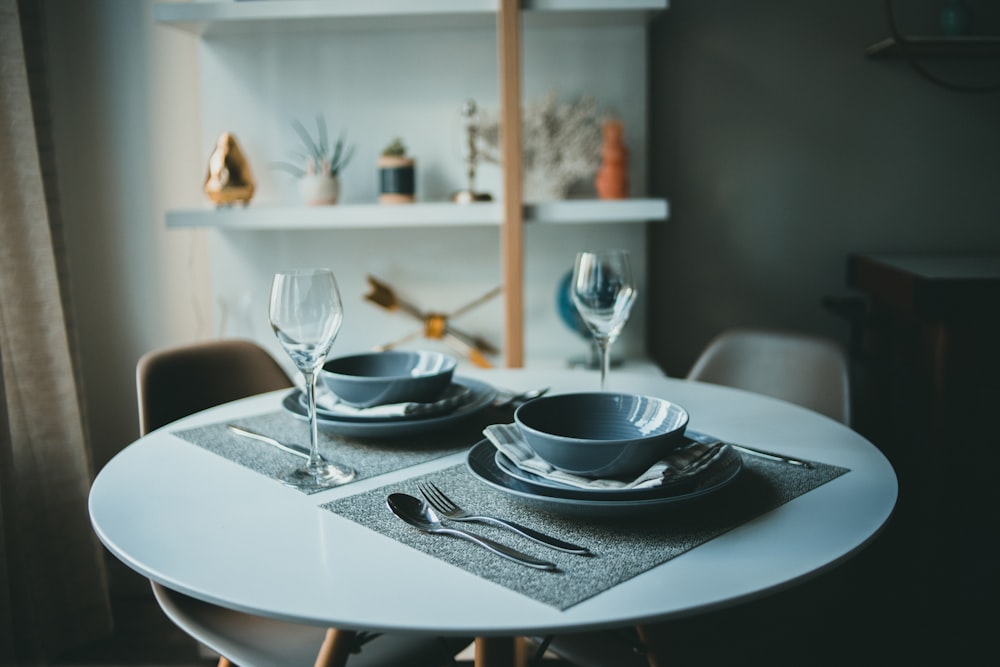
(202, 525)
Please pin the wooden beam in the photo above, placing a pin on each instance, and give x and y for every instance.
(512, 230)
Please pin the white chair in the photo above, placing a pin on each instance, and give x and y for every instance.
(253, 641)
(176, 381)
(809, 370)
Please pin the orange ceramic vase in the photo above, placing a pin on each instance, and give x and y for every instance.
(611, 181)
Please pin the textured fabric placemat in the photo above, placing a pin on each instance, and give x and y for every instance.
(623, 547)
(369, 457)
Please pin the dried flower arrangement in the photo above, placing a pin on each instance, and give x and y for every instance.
(561, 144)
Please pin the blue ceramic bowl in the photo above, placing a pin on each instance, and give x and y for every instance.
(378, 378)
(601, 434)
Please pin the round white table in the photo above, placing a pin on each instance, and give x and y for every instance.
(206, 527)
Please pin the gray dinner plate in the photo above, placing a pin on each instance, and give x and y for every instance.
(535, 481)
(481, 462)
(457, 394)
(483, 395)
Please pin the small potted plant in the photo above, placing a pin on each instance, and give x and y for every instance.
(318, 174)
(396, 173)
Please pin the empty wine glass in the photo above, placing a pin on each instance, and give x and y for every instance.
(306, 313)
(603, 293)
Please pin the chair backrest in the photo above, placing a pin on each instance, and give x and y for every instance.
(174, 382)
(809, 370)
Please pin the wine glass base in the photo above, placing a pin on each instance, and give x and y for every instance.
(325, 476)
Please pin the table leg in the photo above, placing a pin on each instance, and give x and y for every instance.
(502, 652)
(336, 648)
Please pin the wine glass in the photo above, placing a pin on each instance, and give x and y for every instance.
(603, 292)
(306, 313)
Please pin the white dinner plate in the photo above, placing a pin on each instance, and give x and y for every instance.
(483, 395)
(481, 462)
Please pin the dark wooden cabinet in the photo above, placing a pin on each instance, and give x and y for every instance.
(928, 387)
(931, 353)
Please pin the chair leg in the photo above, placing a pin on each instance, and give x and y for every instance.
(502, 651)
(336, 648)
(656, 645)
(223, 662)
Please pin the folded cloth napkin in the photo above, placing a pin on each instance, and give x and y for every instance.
(680, 464)
(453, 397)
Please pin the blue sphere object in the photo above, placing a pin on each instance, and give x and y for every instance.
(567, 311)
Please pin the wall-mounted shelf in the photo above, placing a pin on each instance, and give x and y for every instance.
(444, 214)
(216, 18)
(268, 43)
(938, 47)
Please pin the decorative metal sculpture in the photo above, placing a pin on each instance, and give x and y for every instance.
(472, 156)
(436, 326)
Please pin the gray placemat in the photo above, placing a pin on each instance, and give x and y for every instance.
(369, 457)
(623, 547)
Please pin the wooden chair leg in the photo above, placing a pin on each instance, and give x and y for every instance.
(336, 648)
(502, 652)
(224, 663)
(656, 644)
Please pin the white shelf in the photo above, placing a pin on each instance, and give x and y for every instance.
(444, 214)
(597, 211)
(214, 18)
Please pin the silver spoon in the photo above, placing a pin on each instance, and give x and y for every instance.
(418, 514)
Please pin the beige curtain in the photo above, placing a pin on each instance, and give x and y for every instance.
(53, 592)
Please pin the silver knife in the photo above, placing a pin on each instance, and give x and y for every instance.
(704, 438)
(291, 449)
(772, 456)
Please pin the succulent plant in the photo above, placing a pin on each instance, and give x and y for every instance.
(396, 148)
(319, 156)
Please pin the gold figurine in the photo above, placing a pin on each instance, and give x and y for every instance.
(229, 177)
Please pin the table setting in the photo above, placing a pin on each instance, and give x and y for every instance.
(557, 496)
(502, 503)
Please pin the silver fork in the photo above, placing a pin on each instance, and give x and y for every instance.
(447, 508)
(507, 397)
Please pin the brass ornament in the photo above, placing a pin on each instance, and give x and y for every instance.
(229, 178)
(436, 326)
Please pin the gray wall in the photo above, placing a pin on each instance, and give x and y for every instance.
(782, 148)
(127, 144)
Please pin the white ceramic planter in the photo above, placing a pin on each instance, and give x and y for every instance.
(319, 189)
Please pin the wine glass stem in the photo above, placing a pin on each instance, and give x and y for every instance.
(604, 346)
(314, 458)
